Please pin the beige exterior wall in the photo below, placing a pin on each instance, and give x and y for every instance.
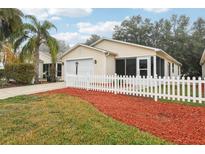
(110, 65)
(41, 70)
(124, 50)
(45, 58)
(83, 53)
(203, 70)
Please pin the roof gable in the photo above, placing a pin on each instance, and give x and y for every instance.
(122, 42)
(86, 46)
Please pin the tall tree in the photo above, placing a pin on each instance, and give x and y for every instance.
(197, 44)
(34, 34)
(10, 22)
(174, 35)
(63, 46)
(93, 38)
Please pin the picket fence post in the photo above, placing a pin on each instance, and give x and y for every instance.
(199, 89)
(115, 84)
(88, 82)
(194, 89)
(155, 88)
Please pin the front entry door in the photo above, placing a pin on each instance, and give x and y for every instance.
(143, 66)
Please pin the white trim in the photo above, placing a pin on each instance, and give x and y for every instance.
(148, 65)
(83, 58)
(155, 65)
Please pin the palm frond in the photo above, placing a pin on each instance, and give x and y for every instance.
(19, 42)
(47, 25)
(30, 27)
(28, 49)
(53, 46)
(33, 20)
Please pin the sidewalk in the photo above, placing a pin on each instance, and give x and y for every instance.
(31, 89)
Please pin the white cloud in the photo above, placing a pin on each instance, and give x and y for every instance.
(70, 12)
(43, 14)
(100, 28)
(127, 18)
(71, 37)
(156, 10)
(55, 18)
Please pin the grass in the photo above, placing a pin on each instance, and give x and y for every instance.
(186, 93)
(191, 103)
(62, 119)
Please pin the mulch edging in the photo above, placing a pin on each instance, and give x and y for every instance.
(178, 123)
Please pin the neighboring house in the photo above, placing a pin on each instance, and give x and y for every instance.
(45, 65)
(202, 63)
(107, 57)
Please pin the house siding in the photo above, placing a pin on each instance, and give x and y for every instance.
(40, 70)
(123, 50)
(110, 65)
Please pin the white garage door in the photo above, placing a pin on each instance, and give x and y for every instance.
(80, 67)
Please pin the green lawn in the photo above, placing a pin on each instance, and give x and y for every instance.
(62, 119)
(191, 103)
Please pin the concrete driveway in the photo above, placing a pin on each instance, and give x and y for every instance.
(31, 89)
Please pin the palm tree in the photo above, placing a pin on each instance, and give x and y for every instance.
(10, 22)
(35, 34)
(9, 56)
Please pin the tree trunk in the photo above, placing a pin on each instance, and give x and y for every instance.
(53, 72)
(36, 64)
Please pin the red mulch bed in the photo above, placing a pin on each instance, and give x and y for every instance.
(180, 124)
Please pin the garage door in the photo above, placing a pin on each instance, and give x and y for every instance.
(80, 67)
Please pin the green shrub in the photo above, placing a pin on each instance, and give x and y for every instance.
(2, 75)
(21, 73)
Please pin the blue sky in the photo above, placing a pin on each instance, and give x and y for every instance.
(76, 25)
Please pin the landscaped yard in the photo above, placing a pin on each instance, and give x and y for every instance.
(63, 119)
(74, 116)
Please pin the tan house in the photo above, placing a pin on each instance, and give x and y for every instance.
(202, 63)
(45, 65)
(107, 57)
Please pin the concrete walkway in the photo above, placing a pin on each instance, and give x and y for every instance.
(31, 89)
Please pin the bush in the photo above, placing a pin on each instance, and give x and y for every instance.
(2, 74)
(21, 73)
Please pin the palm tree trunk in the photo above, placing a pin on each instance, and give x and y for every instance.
(36, 64)
(53, 72)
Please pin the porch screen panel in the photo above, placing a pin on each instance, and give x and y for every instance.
(131, 66)
(59, 69)
(160, 66)
(120, 66)
(152, 66)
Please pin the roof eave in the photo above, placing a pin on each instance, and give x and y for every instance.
(172, 58)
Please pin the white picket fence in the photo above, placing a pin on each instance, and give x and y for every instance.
(175, 88)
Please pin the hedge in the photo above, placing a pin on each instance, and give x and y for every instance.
(2, 74)
(21, 73)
